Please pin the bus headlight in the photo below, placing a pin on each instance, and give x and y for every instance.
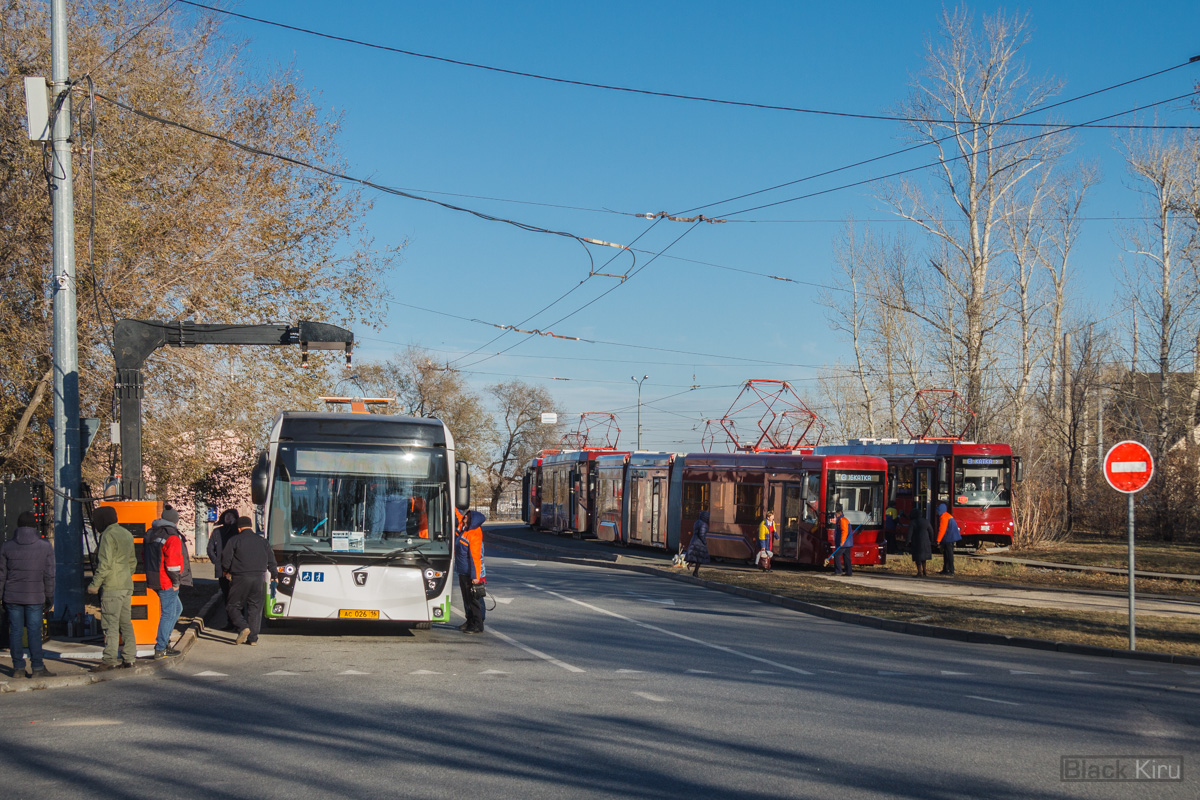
(429, 574)
(290, 569)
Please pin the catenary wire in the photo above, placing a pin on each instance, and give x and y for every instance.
(604, 86)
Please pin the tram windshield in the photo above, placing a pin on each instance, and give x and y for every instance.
(365, 500)
(982, 481)
(860, 495)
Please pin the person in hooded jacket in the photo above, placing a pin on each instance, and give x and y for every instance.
(947, 546)
(167, 568)
(697, 550)
(920, 541)
(27, 589)
(468, 564)
(116, 562)
(216, 545)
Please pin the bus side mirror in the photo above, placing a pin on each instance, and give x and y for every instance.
(462, 486)
(260, 479)
(1017, 468)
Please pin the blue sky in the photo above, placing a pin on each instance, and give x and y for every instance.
(433, 127)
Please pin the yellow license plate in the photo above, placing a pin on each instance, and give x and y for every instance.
(357, 613)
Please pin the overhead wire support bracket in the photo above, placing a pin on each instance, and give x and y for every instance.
(665, 215)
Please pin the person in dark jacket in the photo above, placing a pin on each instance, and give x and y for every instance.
(697, 551)
(468, 564)
(247, 560)
(920, 542)
(27, 588)
(216, 543)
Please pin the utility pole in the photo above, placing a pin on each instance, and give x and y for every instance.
(68, 522)
(639, 385)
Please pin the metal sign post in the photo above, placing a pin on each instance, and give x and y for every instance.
(1128, 468)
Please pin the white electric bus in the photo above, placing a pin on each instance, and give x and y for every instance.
(359, 509)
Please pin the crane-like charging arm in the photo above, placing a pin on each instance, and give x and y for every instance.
(136, 339)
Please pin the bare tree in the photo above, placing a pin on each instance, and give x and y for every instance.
(973, 79)
(520, 434)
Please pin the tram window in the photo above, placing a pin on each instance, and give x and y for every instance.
(904, 480)
(982, 481)
(695, 499)
(748, 499)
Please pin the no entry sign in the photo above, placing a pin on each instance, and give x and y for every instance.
(1128, 467)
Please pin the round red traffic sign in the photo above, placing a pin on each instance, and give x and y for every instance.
(1128, 467)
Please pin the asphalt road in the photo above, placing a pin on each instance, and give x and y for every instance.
(602, 683)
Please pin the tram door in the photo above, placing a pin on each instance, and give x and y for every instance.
(926, 478)
(579, 518)
(784, 499)
(656, 533)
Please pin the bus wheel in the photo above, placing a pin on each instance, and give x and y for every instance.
(422, 626)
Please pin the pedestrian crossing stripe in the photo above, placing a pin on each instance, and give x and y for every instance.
(282, 672)
(424, 672)
(352, 672)
(208, 673)
(493, 672)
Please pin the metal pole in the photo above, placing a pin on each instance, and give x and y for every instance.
(68, 522)
(639, 385)
(1132, 623)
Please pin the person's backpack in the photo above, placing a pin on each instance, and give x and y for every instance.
(152, 549)
(952, 534)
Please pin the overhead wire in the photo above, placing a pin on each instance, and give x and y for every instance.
(590, 84)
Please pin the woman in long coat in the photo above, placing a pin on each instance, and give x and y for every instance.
(697, 551)
(920, 541)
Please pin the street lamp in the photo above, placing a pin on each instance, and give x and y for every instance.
(639, 385)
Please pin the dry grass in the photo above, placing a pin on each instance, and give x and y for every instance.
(1155, 634)
(1099, 550)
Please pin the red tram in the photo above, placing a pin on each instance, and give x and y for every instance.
(973, 480)
(566, 491)
(653, 499)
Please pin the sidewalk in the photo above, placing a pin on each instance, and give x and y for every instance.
(71, 660)
(1029, 597)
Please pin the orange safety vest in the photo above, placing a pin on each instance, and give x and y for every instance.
(843, 529)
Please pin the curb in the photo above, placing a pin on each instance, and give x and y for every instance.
(893, 625)
(186, 640)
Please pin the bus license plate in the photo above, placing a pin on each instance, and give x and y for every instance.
(357, 613)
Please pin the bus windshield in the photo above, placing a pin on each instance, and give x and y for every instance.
(366, 500)
(859, 493)
(982, 481)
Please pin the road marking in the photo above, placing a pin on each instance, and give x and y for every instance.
(1022, 672)
(1137, 672)
(425, 672)
(502, 600)
(887, 672)
(951, 672)
(352, 672)
(1081, 672)
(631, 671)
(700, 672)
(660, 600)
(282, 672)
(667, 632)
(545, 657)
(493, 672)
(762, 672)
(991, 700)
(652, 697)
(525, 563)
(82, 723)
(208, 673)
(1192, 671)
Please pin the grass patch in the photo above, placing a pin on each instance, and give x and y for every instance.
(1155, 634)
(1100, 550)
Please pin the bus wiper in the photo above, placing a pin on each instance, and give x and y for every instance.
(387, 557)
(319, 554)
